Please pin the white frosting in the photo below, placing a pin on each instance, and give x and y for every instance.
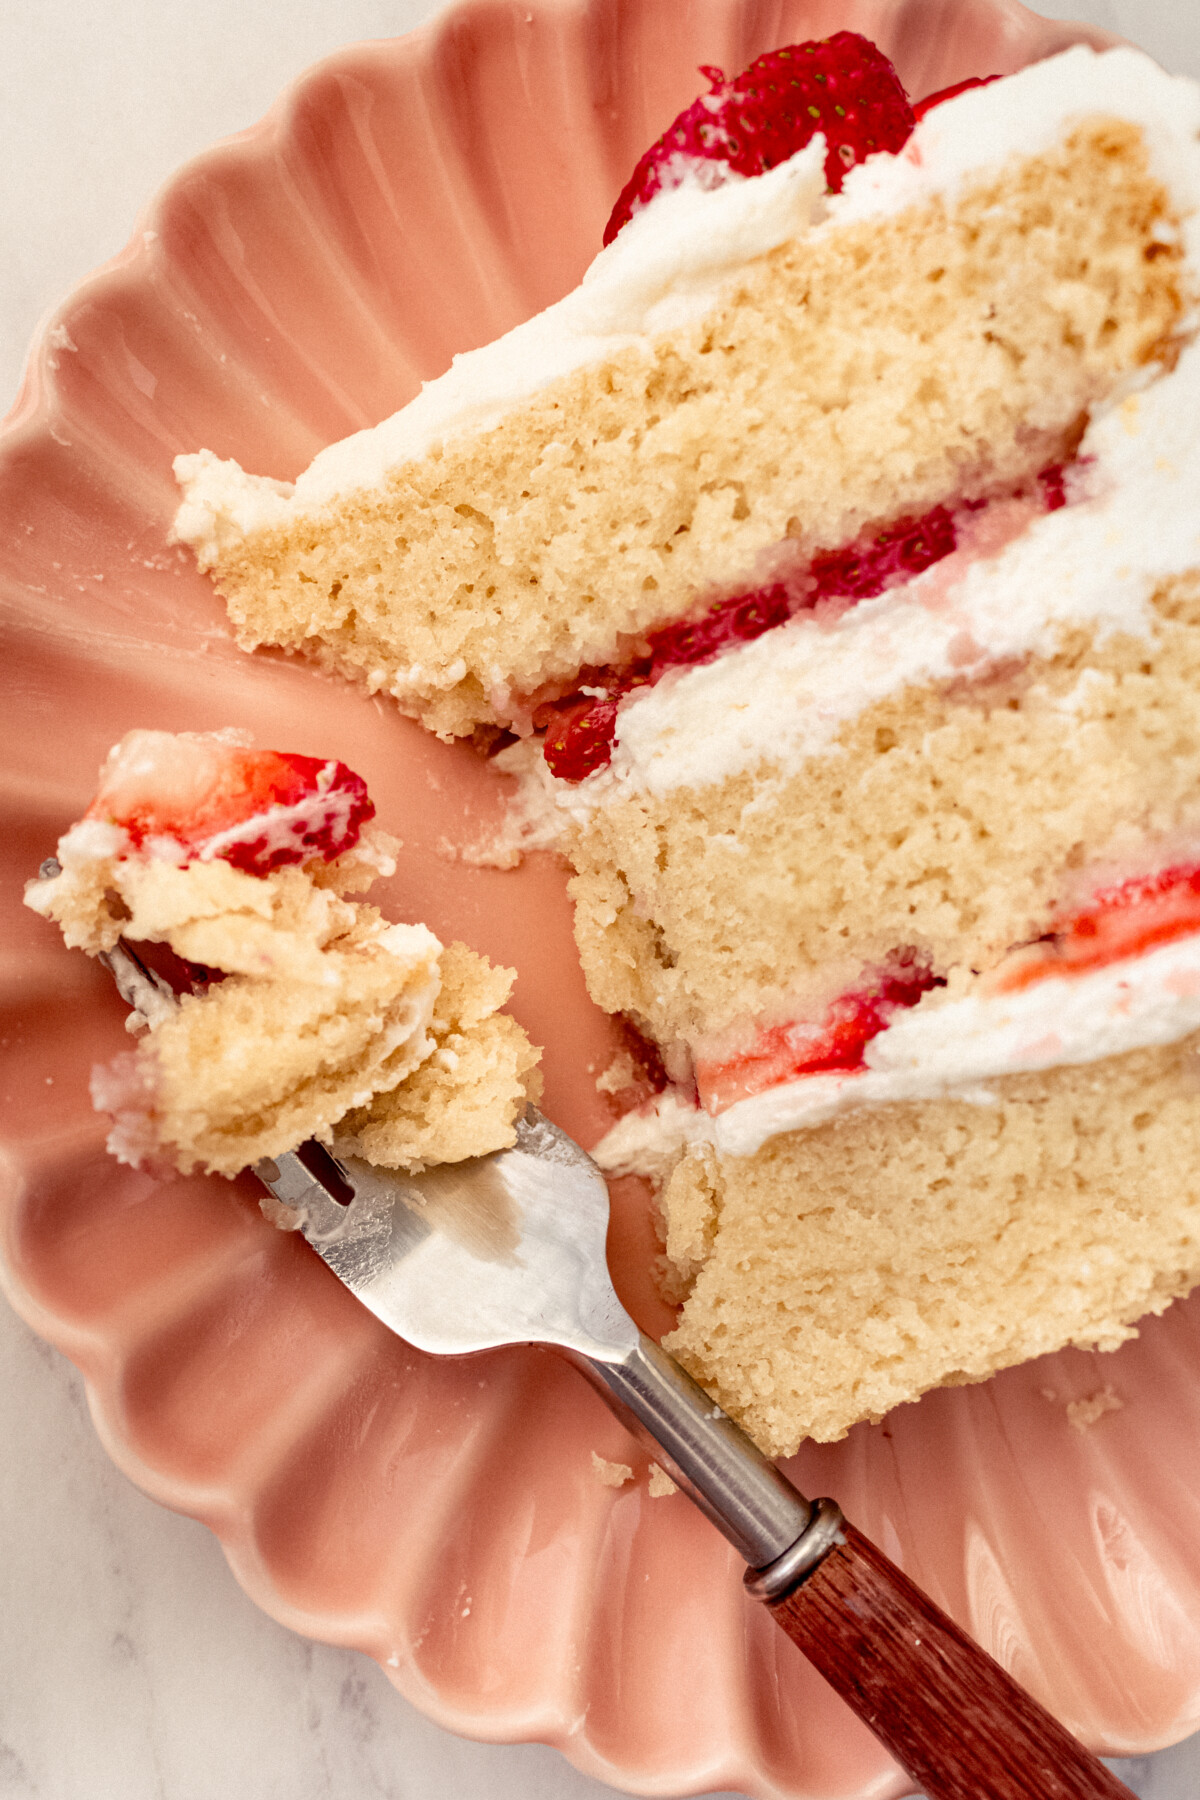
(669, 263)
(943, 1047)
(1026, 115)
(647, 1142)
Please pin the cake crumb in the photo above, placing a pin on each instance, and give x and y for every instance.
(494, 850)
(1083, 1414)
(284, 1218)
(610, 1474)
(660, 1483)
(621, 1073)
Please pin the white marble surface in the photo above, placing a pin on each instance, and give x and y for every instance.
(131, 1666)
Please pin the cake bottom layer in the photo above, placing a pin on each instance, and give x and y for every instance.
(840, 1271)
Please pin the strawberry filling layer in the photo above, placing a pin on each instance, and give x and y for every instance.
(256, 809)
(581, 729)
(1121, 923)
(786, 1052)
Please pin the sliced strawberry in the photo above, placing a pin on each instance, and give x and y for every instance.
(580, 740)
(836, 1042)
(842, 86)
(1053, 483)
(736, 621)
(257, 809)
(921, 107)
(1123, 921)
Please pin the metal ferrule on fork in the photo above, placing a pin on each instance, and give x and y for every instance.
(780, 1534)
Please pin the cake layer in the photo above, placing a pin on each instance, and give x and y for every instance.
(955, 823)
(323, 1012)
(843, 1270)
(465, 1095)
(928, 341)
(927, 772)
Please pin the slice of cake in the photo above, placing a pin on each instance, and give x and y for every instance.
(835, 550)
(307, 1011)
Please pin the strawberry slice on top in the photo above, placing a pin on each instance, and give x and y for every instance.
(842, 86)
(211, 796)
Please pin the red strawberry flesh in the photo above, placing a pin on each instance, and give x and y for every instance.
(842, 86)
(921, 107)
(256, 809)
(1120, 922)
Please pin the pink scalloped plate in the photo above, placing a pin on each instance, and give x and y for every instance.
(406, 200)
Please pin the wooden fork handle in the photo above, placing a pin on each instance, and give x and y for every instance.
(956, 1722)
(951, 1717)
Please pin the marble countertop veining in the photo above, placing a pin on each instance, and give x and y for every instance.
(132, 1667)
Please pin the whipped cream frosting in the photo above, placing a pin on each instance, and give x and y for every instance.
(943, 1046)
(669, 263)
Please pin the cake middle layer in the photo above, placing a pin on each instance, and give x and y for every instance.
(954, 819)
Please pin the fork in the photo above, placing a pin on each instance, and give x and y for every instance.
(509, 1249)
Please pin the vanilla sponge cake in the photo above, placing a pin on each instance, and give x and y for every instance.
(856, 673)
(311, 1013)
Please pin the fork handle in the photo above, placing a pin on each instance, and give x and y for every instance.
(955, 1721)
